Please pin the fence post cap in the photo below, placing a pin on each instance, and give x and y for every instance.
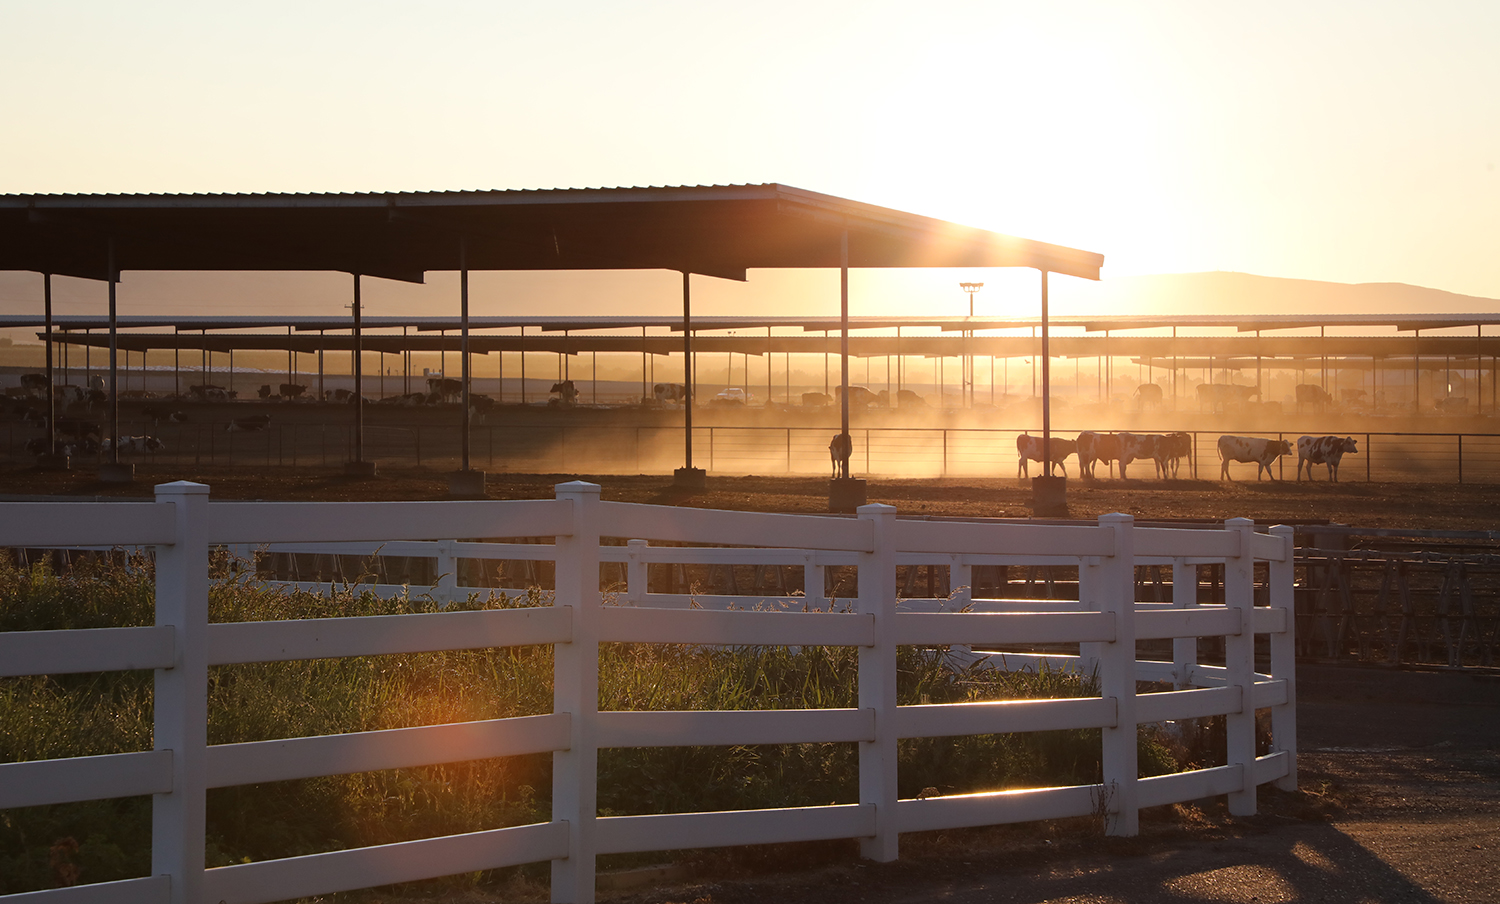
(876, 508)
(182, 488)
(1116, 518)
(1238, 523)
(577, 486)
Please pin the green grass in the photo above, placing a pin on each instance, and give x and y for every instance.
(72, 715)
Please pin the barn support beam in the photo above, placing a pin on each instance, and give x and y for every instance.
(112, 471)
(467, 482)
(687, 476)
(359, 467)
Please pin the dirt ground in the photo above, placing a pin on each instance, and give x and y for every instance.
(1400, 770)
(1444, 506)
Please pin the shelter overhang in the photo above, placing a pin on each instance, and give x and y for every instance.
(720, 231)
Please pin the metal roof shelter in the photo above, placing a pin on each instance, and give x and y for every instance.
(721, 231)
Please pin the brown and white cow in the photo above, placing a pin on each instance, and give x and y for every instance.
(1259, 450)
(839, 449)
(1138, 446)
(1029, 449)
(1171, 449)
(1096, 447)
(1148, 395)
(1318, 450)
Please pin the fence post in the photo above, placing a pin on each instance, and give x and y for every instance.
(1184, 596)
(180, 698)
(1284, 656)
(447, 573)
(877, 682)
(814, 582)
(1117, 679)
(575, 678)
(1239, 663)
(960, 584)
(635, 573)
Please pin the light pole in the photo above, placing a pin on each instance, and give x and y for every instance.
(971, 288)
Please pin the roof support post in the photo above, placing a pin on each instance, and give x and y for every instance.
(687, 476)
(51, 390)
(359, 467)
(359, 407)
(844, 328)
(112, 471)
(1046, 385)
(463, 352)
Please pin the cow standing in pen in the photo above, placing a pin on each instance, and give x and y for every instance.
(1096, 447)
(1136, 446)
(1029, 449)
(1263, 452)
(840, 449)
(1319, 450)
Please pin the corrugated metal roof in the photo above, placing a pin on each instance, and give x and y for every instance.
(712, 230)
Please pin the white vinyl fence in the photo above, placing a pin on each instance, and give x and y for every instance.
(1105, 623)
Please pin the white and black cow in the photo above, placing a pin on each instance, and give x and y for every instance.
(1259, 450)
(252, 424)
(669, 392)
(1318, 450)
(1029, 449)
(839, 450)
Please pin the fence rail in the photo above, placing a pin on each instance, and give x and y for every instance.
(1104, 623)
(936, 451)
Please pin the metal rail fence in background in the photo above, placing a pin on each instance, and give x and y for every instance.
(912, 452)
(1104, 627)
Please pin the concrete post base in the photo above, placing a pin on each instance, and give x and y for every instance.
(119, 472)
(690, 478)
(845, 494)
(1049, 495)
(466, 484)
(360, 469)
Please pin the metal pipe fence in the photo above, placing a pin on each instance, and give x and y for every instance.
(908, 452)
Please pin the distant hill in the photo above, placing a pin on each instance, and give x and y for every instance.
(1223, 292)
(772, 292)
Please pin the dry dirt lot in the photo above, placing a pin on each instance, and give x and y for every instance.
(1400, 773)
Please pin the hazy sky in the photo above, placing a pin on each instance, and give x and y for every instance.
(1348, 141)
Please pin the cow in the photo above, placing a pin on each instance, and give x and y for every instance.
(252, 424)
(264, 391)
(567, 394)
(816, 400)
(664, 393)
(1029, 449)
(449, 390)
(1095, 447)
(207, 392)
(1138, 446)
(1312, 395)
(291, 391)
(1263, 452)
(159, 413)
(905, 398)
(136, 444)
(36, 384)
(859, 396)
(839, 450)
(1318, 450)
(1147, 395)
(1220, 396)
(77, 427)
(1172, 449)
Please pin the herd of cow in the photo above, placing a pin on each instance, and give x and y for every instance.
(1166, 452)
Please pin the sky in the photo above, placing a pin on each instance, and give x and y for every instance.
(1352, 142)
